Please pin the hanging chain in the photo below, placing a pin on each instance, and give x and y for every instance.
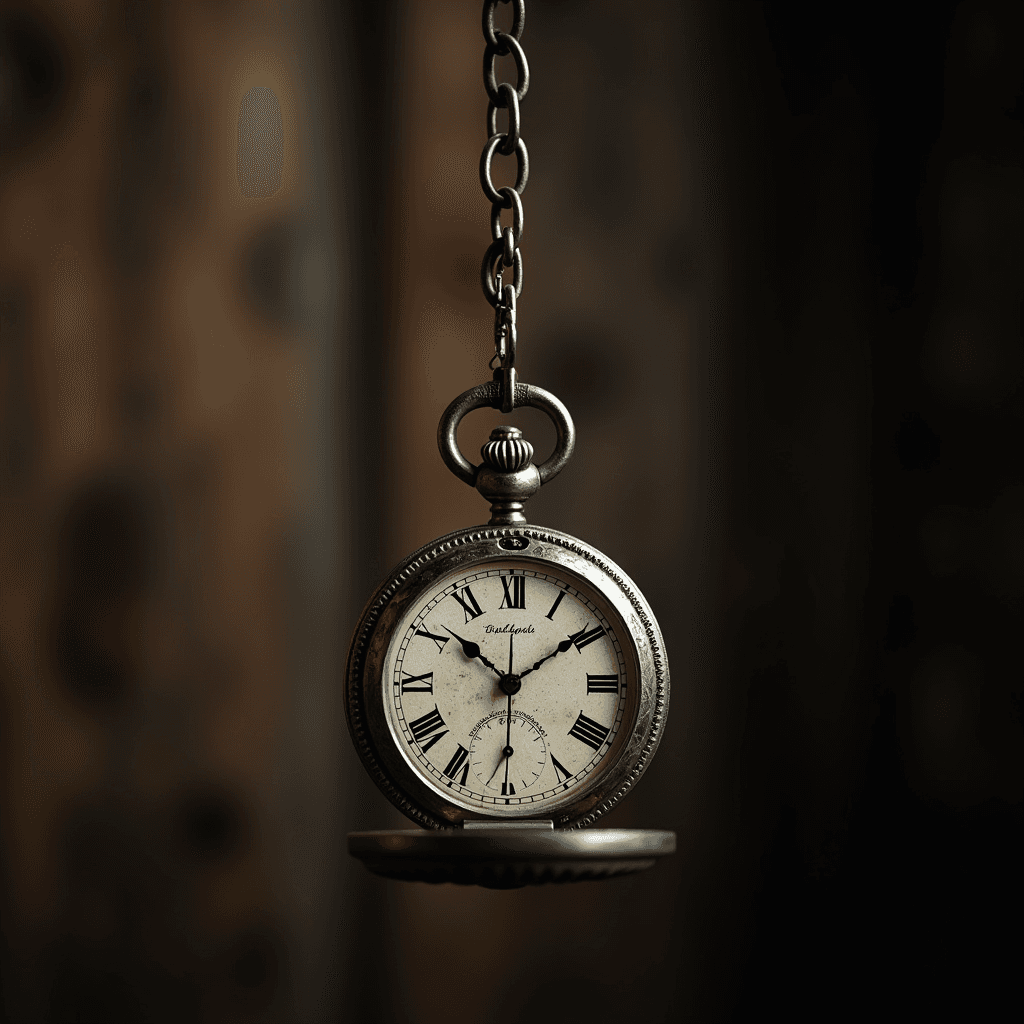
(504, 252)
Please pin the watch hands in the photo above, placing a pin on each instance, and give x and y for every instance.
(509, 681)
(508, 719)
(501, 760)
(508, 728)
(506, 751)
(472, 650)
(560, 649)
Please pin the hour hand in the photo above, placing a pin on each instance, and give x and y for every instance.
(472, 650)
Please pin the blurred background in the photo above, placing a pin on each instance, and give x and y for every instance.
(774, 265)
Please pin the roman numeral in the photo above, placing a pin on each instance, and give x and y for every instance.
(562, 773)
(515, 592)
(554, 607)
(424, 726)
(586, 730)
(460, 759)
(507, 789)
(418, 684)
(439, 640)
(602, 684)
(583, 639)
(469, 603)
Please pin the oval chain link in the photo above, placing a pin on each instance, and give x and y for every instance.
(522, 170)
(511, 138)
(518, 20)
(511, 197)
(504, 252)
(506, 44)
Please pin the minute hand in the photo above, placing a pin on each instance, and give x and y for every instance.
(472, 650)
(560, 649)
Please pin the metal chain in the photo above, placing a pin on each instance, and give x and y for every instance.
(504, 251)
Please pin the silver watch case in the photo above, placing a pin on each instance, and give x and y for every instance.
(461, 550)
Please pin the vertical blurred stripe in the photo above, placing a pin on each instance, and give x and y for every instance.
(260, 143)
(174, 300)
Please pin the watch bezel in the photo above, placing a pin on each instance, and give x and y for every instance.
(460, 550)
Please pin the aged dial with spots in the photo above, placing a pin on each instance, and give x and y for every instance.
(510, 685)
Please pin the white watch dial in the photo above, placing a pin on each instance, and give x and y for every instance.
(509, 685)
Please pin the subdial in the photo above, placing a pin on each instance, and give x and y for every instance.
(508, 754)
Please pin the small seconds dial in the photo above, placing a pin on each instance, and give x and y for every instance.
(507, 752)
(508, 686)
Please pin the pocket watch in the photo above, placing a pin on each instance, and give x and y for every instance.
(508, 681)
(506, 685)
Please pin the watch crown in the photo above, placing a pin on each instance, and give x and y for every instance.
(507, 451)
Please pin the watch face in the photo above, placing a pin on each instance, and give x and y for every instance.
(509, 686)
(506, 674)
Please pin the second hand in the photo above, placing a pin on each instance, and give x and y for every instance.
(508, 721)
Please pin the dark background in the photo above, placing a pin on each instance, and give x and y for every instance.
(775, 267)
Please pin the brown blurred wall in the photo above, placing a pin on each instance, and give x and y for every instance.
(771, 266)
(164, 319)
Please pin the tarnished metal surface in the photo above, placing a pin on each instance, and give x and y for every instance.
(498, 858)
(504, 96)
(489, 396)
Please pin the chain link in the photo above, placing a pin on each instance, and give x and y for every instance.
(504, 252)
(506, 44)
(512, 200)
(511, 138)
(490, 272)
(518, 20)
(522, 169)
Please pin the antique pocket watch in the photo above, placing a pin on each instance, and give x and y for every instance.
(506, 684)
